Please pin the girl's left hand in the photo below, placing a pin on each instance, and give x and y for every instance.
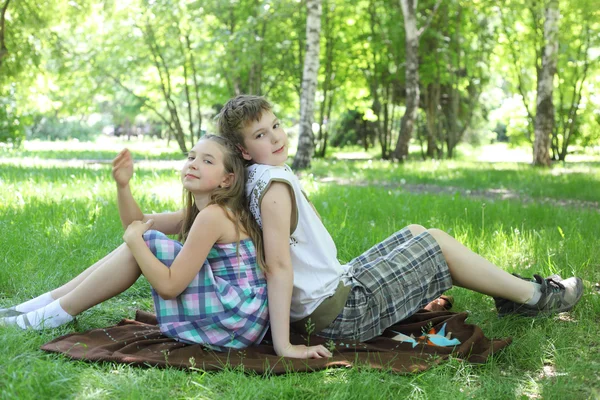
(136, 229)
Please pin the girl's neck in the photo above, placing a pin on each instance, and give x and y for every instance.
(201, 201)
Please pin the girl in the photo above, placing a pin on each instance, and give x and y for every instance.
(386, 284)
(212, 290)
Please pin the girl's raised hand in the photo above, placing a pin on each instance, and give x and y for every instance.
(136, 229)
(122, 167)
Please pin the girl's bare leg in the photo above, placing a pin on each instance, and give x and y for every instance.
(48, 297)
(105, 279)
(471, 271)
(114, 275)
(72, 284)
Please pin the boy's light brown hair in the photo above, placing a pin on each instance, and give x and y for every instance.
(237, 113)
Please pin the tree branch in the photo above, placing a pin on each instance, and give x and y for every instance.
(433, 12)
(131, 92)
(520, 84)
(196, 85)
(166, 89)
(576, 97)
(186, 88)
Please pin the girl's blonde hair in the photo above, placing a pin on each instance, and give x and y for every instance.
(232, 199)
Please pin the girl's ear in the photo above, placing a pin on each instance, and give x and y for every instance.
(227, 180)
(245, 154)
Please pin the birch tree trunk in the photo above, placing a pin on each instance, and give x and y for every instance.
(309, 84)
(412, 78)
(544, 118)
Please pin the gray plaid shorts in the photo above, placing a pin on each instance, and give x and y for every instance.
(390, 282)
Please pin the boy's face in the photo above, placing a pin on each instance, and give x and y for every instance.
(265, 142)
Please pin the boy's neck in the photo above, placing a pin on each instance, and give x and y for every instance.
(270, 165)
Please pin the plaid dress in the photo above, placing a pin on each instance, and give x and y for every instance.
(225, 305)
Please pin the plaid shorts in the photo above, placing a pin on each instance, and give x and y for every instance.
(390, 282)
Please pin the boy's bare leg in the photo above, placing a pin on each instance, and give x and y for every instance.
(111, 277)
(471, 271)
(72, 284)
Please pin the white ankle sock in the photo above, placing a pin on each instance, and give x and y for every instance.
(50, 316)
(537, 294)
(34, 304)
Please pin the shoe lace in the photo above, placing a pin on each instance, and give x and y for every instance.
(554, 285)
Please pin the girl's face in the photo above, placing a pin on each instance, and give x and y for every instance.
(204, 170)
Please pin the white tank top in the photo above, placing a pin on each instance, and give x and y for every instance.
(317, 271)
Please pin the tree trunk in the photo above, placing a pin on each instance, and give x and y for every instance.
(432, 103)
(3, 49)
(328, 115)
(412, 78)
(544, 118)
(166, 87)
(329, 45)
(309, 84)
(196, 86)
(570, 123)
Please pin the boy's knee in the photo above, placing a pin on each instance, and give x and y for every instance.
(415, 229)
(437, 233)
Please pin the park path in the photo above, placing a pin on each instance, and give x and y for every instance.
(483, 194)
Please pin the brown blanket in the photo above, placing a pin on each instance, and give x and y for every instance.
(139, 342)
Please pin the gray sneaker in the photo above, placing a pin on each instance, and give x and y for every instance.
(9, 312)
(558, 295)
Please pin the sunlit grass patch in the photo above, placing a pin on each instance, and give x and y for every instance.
(103, 148)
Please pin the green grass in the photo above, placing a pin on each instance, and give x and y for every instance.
(56, 220)
(569, 181)
(103, 148)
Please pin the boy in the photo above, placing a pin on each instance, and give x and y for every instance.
(386, 284)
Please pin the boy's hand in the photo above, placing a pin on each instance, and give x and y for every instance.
(122, 168)
(302, 351)
(136, 229)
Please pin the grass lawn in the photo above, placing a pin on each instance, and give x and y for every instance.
(57, 218)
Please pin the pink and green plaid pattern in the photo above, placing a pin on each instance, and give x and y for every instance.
(225, 305)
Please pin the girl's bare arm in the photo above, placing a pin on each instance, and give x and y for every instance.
(129, 210)
(171, 282)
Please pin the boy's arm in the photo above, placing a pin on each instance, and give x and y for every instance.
(276, 212)
(129, 210)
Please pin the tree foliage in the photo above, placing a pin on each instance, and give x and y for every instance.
(168, 65)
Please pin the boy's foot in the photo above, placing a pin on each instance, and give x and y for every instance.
(557, 295)
(505, 306)
(9, 312)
